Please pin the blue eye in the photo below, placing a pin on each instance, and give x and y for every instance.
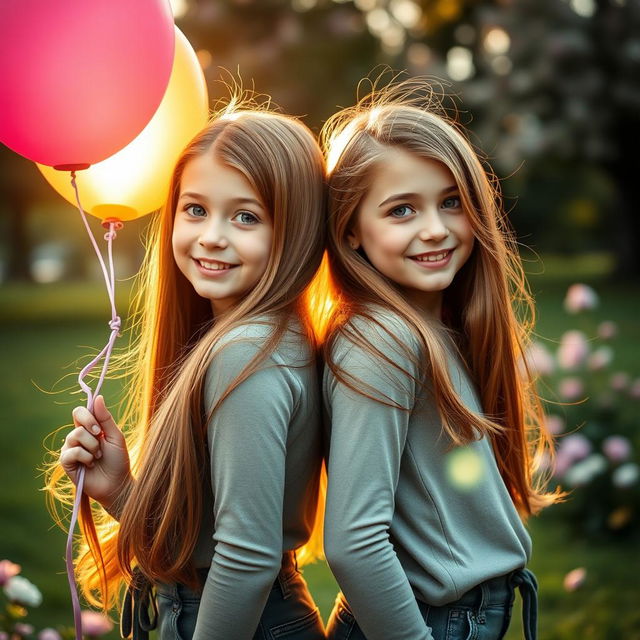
(195, 210)
(246, 217)
(452, 202)
(403, 211)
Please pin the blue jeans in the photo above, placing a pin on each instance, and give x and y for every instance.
(483, 613)
(290, 612)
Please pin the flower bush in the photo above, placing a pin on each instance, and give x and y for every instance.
(592, 408)
(19, 594)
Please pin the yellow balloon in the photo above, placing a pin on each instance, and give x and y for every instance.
(135, 181)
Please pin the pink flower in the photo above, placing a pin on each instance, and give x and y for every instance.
(619, 381)
(23, 629)
(573, 349)
(634, 389)
(539, 359)
(607, 330)
(4, 635)
(49, 634)
(555, 424)
(561, 464)
(8, 569)
(575, 447)
(95, 623)
(616, 448)
(600, 358)
(580, 297)
(575, 579)
(570, 388)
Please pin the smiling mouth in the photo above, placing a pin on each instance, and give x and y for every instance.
(432, 256)
(215, 265)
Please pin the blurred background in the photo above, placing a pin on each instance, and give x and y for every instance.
(550, 91)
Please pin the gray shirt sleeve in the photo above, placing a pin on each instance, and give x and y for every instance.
(367, 443)
(247, 439)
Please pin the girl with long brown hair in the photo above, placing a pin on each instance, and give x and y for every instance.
(435, 427)
(213, 486)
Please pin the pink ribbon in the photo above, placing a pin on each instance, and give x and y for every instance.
(114, 324)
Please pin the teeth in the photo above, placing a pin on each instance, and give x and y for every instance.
(433, 258)
(214, 266)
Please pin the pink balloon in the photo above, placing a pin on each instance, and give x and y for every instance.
(80, 79)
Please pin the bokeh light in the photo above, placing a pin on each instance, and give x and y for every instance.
(497, 41)
(460, 65)
(465, 468)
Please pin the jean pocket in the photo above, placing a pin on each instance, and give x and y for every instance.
(168, 611)
(308, 627)
(461, 625)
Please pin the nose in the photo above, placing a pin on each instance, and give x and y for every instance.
(432, 227)
(213, 234)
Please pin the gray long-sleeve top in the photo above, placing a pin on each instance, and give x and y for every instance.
(407, 516)
(265, 452)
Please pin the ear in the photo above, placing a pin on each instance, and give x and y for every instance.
(354, 240)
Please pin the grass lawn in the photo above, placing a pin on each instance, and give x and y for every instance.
(46, 328)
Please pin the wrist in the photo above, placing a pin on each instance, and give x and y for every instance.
(114, 503)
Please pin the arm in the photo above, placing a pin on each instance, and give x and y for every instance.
(247, 442)
(367, 442)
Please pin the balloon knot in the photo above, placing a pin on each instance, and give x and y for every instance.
(113, 224)
(115, 323)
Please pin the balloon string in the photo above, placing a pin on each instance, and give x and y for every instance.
(114, 324)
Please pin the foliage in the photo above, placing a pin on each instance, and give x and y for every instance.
(598, 452)
(19, 594)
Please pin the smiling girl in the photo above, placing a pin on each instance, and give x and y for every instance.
(434, 431)
(223, 408)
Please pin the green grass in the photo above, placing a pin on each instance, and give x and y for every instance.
(46, 328)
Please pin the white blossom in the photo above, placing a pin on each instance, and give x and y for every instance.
(19, 590)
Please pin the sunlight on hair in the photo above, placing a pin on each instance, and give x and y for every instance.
(464, 468)
(233, 110)
(231, 115)
(374, 116)
(338, 144)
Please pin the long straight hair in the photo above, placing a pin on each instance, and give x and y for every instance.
(482, 308)
(163, 418)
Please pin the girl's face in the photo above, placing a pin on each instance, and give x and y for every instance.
(222, 232)
(412, 227)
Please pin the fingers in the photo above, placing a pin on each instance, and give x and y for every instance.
(72, 457)
(100, 421)
(82, 417)
(81, 437)
(105, 419)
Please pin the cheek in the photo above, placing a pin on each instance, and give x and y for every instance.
(463, 230)
(383, 240)
(258, 249)
(177, 240)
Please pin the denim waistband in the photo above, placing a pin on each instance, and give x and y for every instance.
(496, 591)
(139, 610)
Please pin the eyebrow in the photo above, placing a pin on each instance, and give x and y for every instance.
(241, 200)
(409, 196)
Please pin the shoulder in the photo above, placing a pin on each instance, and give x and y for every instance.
(379, 331)
(375, 355)
(256, 334)
(250, 346)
